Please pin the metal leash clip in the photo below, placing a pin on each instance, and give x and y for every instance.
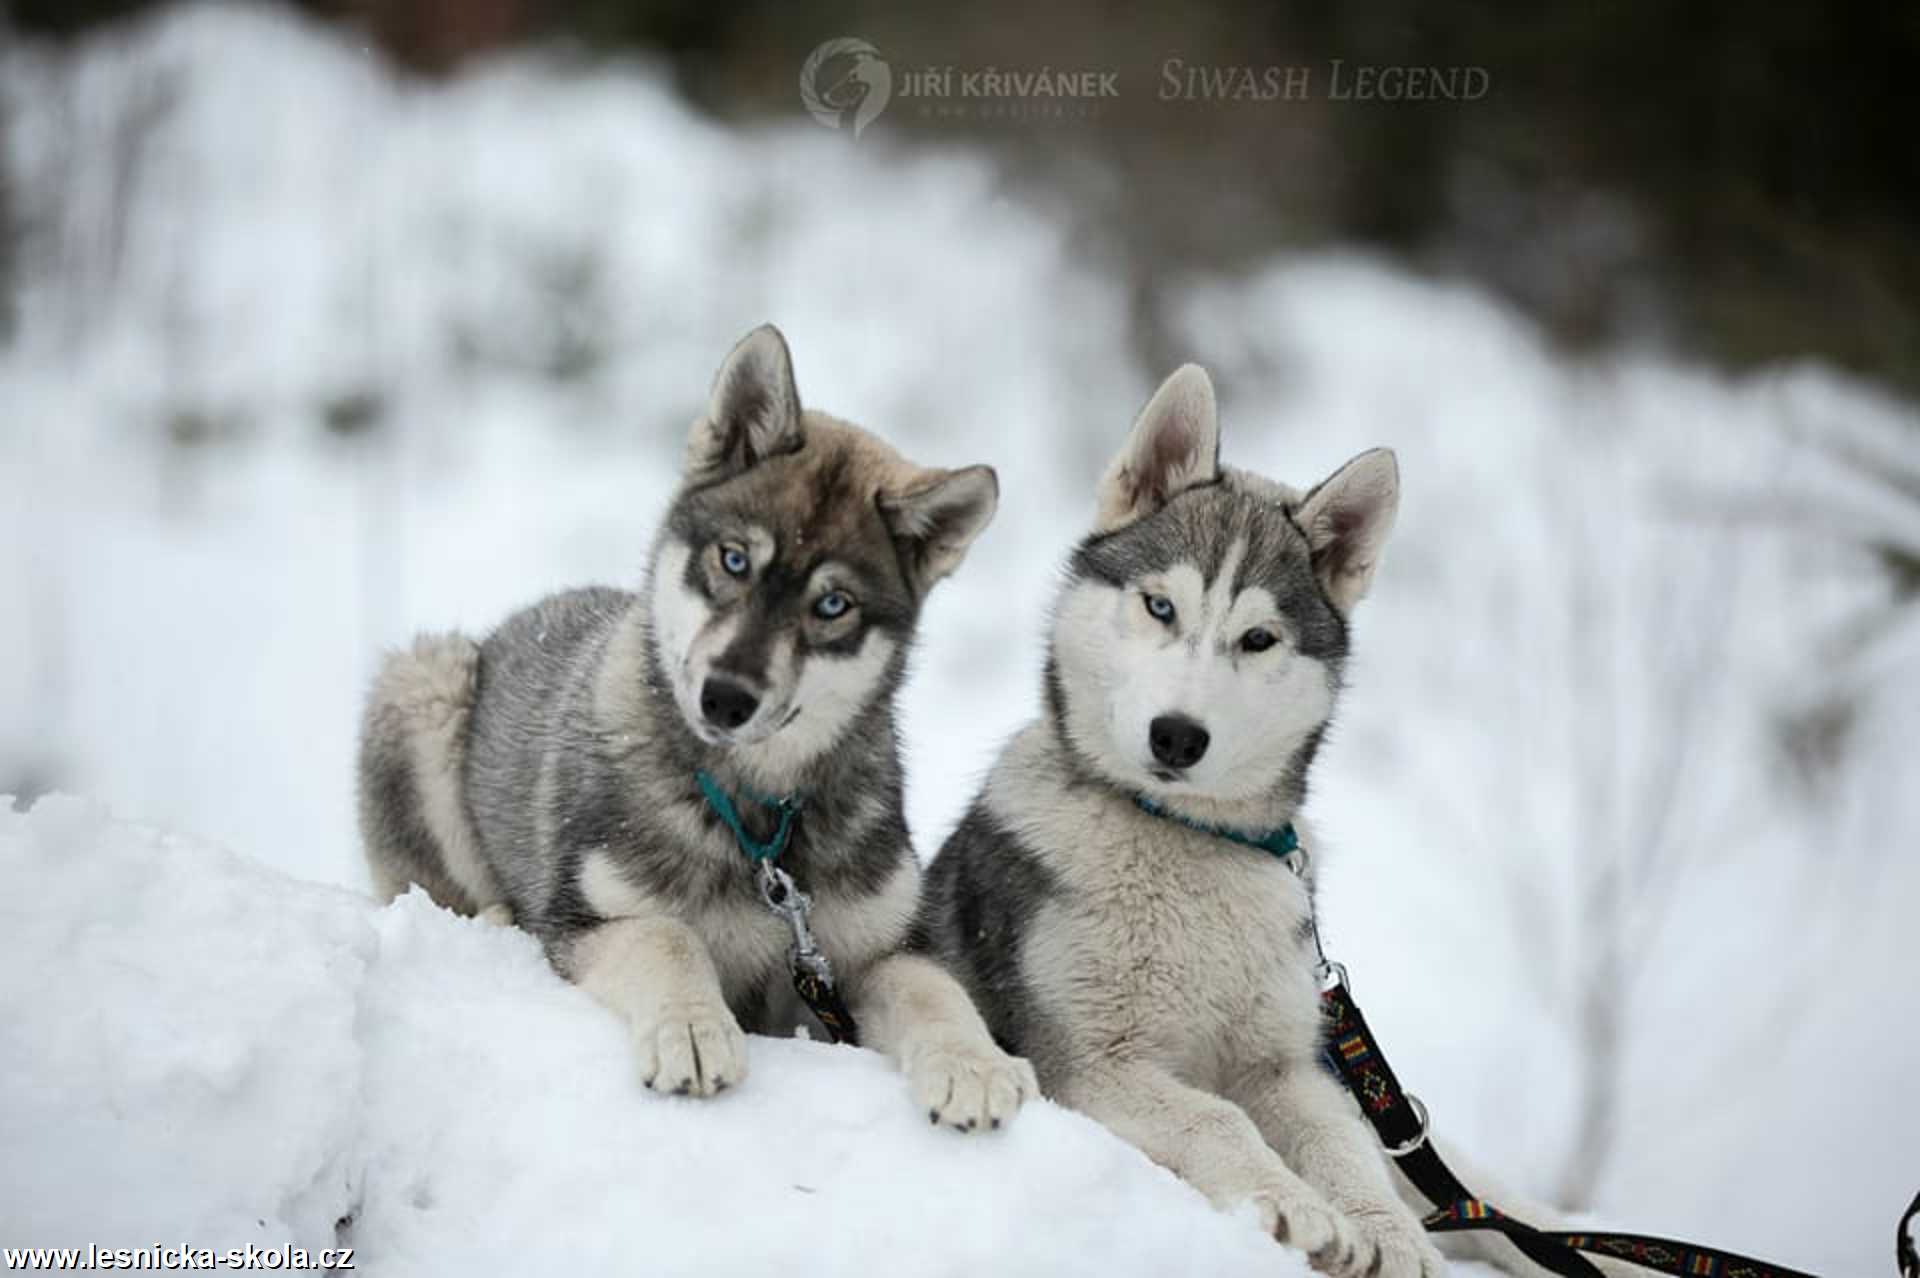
(784, 897)
(1330, 974)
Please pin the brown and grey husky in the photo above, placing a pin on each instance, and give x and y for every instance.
(576, 770)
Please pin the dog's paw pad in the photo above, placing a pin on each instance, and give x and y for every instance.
(700, 1054)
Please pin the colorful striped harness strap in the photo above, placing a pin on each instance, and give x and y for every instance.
(1400, 1121)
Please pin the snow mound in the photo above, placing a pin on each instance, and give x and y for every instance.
(177, 1038)
(198, 1049)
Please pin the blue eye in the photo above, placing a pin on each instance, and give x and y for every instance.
(1160, 608)
(1257, 640)
(735, 561)
(831, 605)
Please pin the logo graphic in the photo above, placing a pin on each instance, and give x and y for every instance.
(846, 79)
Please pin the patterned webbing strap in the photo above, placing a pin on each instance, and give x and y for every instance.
(1354, 1056)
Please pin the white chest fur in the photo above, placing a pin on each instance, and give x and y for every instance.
(1164, 942)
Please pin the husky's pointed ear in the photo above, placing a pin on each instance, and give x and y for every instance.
(754, 412)
(1174, 445)
(936, 517)
(1346, 519)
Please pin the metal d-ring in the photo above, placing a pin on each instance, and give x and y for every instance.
(1419, 1138)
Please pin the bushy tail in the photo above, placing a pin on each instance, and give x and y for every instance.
(414, 820)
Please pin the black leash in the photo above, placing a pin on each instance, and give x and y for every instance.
(1399, 1119)
(1903, 1247)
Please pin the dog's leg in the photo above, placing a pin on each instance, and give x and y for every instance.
(1305, 1115)
(1212, 1144)
(656, 974)
(911, 1009)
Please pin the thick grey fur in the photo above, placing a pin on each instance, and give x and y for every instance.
(546, 775)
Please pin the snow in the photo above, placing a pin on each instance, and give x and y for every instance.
(170, 1008)
(199, 1049)
(1608, 575)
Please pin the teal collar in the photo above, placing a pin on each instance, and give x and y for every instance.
(1280, 843)
(758, 853)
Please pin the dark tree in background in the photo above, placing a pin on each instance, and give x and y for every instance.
(1738, 181)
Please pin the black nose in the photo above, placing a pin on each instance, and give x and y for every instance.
(1177, 741)
(727, 704)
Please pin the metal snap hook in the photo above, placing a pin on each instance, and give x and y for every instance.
(776, 888)
(1333, 976)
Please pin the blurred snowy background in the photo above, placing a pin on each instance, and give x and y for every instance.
(300, 353)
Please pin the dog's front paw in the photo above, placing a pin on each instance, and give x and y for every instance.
(697, 1053)
(1393, 1245)
(1296, 1215)
(969, 1085)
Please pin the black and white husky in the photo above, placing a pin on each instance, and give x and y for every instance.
(581, 770)
(1108, 900)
